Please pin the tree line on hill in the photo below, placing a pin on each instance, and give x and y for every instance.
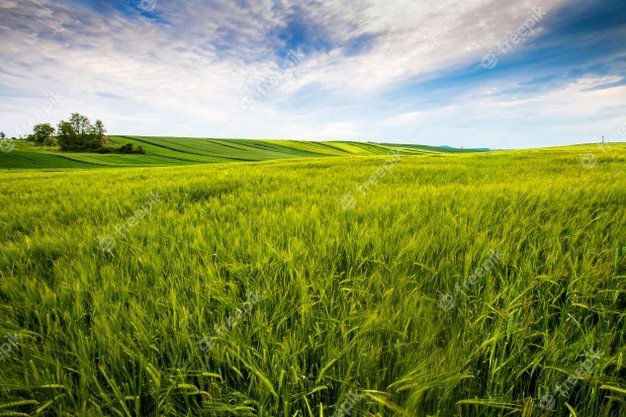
(78, 134)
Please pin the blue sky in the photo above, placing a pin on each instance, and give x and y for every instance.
(472, 73)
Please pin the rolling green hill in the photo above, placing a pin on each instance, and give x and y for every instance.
(167, 151)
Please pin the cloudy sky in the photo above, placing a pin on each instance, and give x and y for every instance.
(472, 73)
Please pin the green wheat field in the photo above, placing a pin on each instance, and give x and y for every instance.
(298, 279)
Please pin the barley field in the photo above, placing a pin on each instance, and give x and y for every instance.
(434, 284)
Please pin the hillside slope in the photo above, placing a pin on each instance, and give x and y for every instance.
(167, 151)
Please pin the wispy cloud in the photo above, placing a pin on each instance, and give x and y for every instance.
(400, 71)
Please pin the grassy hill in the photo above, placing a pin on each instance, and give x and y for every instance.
(166, 151)
(484, 284)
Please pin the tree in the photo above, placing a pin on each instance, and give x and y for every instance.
(79, 134)
(2, 135)
(66, 136)
(41, 133)
(98, 133)
(51, 141)
(80, 124)
(128, 148)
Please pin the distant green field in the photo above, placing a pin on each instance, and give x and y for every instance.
(434, 284)
(163, 151)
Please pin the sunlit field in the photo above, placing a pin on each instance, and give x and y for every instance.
(482, 284)
(164, 151)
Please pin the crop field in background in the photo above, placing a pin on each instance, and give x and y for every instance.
(423, 283)
(163, 151)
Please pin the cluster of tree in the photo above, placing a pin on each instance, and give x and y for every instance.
(4, 136)
(42, 135)
(78, 134)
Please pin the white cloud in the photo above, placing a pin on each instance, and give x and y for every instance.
(402, 119)
(186, 71)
